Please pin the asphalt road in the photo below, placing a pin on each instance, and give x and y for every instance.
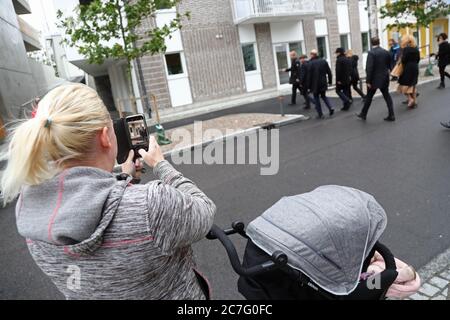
(405, 165)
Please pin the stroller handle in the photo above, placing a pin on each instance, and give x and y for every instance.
(278, 258)
(387, 255)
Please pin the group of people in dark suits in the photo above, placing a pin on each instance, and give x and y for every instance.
(313, 76)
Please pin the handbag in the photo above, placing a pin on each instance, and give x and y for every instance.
(398, 70)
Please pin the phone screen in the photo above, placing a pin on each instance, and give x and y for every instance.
(137, 130)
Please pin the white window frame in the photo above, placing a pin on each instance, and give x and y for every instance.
(183, 65)
(255, 49)
(349, 39)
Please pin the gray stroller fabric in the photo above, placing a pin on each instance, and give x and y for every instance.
(326, 234)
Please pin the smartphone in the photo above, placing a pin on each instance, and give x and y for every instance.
(132, 134)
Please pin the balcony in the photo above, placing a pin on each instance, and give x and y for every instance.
(30, 35)
(260, 11)
(21, 6)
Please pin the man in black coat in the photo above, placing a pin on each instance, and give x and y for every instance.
(444, 58)
(304, 81)
(378, 68)
(294, 78)
(343, 77)
(318, 71)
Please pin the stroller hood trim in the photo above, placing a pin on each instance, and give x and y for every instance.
(326, 233)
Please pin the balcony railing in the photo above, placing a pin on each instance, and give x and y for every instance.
(249, 11)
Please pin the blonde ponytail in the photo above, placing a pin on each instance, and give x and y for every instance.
(63, 129)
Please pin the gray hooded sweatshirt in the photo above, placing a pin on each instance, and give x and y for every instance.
(100, 238)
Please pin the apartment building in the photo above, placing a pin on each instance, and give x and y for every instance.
(231, 48)
(426, 36)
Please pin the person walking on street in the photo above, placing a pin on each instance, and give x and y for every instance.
(294, 78)
(318, 72)
(343, 78)
(378, 68)
(304, 81)
(410, 75)
(355, 74)
(394, 51)
(443, 57)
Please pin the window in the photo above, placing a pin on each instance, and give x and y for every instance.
(365, 41)
(297, 47)
(345, 41)
(322, 47)
(174, 64)
(248, 51)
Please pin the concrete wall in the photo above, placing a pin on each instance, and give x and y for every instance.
(17, 85)
(44, 77)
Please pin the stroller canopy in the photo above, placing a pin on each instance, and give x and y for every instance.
(326, 234)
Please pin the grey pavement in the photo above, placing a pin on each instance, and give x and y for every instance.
(403, 164)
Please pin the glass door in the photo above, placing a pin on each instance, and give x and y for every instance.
(282, 62)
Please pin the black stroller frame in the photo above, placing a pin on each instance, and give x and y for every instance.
(278, 261)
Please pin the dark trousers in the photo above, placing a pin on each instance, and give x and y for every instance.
(325, 99)
(443, 74)
(295, 87)
(387, 97)
(343, 91)
(356, 87)
(307, 97)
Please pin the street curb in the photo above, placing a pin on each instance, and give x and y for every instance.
(268, 126)
(434, 266)
(203, 144)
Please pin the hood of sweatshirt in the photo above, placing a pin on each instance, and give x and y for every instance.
(67, 209)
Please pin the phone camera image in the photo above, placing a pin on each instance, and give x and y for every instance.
(138, 132)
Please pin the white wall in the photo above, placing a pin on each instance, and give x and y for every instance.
(343, 18)
(179, 86)
(253, 79)
(289, 31)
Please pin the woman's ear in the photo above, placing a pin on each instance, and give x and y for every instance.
(105, 140)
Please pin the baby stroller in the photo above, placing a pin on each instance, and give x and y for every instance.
(313, 246)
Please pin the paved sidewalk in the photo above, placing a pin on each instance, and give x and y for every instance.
(191, 135)
(435, 278)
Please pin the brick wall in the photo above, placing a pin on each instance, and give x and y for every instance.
(215, 65)
(266, 58)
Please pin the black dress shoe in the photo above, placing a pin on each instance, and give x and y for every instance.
(360, 116)
(320, 117)
(331, 112)
(441, 86)
(390, 119)
(307, 107)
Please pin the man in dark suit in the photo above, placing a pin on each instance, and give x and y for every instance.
(294, 78)
(343, 77)
(318, 71)
(378, 68)
(304, 81)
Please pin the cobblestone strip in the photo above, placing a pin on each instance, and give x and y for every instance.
(435, 279)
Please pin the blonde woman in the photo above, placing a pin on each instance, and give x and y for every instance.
(95, 234)
(408, 79)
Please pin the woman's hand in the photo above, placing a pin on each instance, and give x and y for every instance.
(154, 154)
(131, 168)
